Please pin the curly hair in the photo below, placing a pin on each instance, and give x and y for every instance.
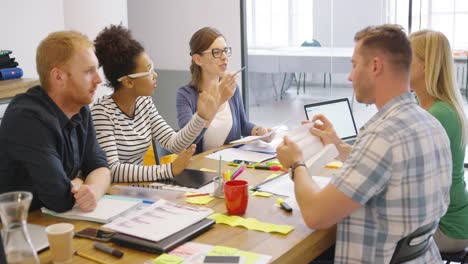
(117, 51)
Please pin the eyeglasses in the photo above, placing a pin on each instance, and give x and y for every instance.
(139, 74)
(217, 53)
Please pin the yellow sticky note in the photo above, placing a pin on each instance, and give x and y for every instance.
(251, 223)
(168, 259)
(223, 251)
(207, 170)
(334, 165)
(199, 199)
(262, 194)
(250, 258)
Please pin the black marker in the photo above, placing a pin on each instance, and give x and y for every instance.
(109, 250)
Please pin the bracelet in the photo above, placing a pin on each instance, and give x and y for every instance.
(294, 166)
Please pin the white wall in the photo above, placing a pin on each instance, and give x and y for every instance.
(30, 21)
(90, 17)
(27, 22)
(344, 18)
(165, 27)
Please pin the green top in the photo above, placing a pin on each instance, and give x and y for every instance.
(455, 221)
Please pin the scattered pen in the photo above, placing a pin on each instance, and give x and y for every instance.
(196, 195)
(104, 248)
(238, 172)
(88, 257)
(148, 202)
(284, 205)
(272, 168)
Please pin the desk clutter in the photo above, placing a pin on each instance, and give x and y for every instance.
(197, 253)
(8, 66)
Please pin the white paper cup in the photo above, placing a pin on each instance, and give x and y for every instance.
(60, 242)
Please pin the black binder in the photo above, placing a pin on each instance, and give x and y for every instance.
(192, 178)
(166, 244)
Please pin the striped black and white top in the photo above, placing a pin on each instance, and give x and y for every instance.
(125, 140)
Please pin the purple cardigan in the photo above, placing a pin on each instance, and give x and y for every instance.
(186, 103)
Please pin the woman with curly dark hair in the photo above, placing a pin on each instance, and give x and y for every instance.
(127, 121)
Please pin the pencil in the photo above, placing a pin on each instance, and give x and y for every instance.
(196, 194)
(86, 256)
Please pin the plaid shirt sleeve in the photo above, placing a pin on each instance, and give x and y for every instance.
(367, 170)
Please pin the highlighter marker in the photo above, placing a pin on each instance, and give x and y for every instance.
(109, 250)
(286, 207)
(272, 168)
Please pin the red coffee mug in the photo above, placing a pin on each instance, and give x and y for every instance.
(236, 195)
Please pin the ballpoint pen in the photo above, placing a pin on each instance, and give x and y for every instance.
(196, 195)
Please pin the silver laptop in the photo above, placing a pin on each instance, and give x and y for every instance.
(340, 115)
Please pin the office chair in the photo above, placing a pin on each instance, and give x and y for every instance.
(406, 250)
(159, 151)
(458, 257)
(314, 43)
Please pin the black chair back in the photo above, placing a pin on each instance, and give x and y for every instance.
(458, 257)
(414, 245)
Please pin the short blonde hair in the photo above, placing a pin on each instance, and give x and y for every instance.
(433, 48)
(56, 50)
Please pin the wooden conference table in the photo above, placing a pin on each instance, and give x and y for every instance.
(299, 246)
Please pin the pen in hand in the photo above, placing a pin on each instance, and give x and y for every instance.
(109, 250)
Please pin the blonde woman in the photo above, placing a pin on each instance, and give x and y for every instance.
(433, 81)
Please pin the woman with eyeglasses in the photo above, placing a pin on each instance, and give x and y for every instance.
(433, 81)
(210, 58)
(127, 121)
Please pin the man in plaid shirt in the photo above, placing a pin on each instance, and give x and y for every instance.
(396, 177)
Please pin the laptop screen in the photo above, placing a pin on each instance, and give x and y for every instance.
(338, 112)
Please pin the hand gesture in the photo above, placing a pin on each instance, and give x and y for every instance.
(183, 160)
(85, 197)
(288, 153)
(207, 106)
(324, 129)
(227, 88)
(262, 131)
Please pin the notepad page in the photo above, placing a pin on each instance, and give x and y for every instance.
(159, 220)
(108, 208)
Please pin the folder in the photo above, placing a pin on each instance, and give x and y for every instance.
(164, 245)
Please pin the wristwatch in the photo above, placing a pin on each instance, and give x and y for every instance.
(294, 166)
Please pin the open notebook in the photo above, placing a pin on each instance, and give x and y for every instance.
(109, 207)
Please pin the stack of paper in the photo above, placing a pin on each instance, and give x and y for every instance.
(159, 220)
(315, 154)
